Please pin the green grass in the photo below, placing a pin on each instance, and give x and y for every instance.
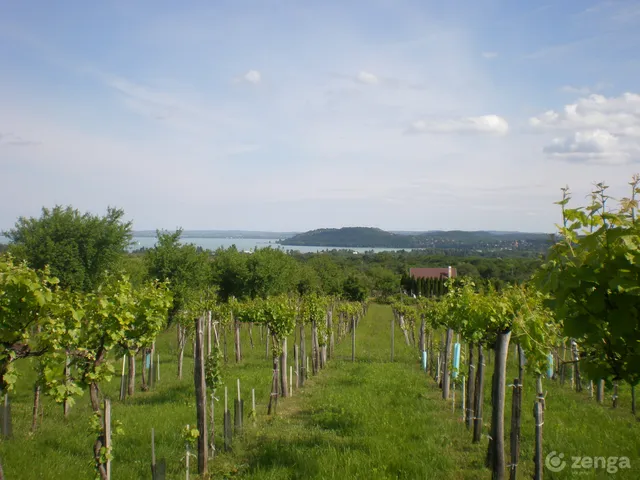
(371, 419)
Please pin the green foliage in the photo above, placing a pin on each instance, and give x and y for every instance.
(231, 273)
(280, 317)
(329, 272)
(355, 288)
(384, 282)
(190, 436)
(213, 369)
(592, 274)
(184, 266)
(25, 296)
(79, 248)
(271, 272)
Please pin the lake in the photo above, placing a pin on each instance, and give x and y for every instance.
(241, 244)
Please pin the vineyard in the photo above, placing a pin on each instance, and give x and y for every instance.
(238, 365)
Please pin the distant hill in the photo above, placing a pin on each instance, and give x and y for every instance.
(366, 237)
(220, 234)
(349, 237)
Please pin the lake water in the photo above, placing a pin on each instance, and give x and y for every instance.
(241, 244)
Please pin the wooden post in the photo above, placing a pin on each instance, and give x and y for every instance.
(615, 395)
(290, 380)
(67, 378)
(238, 346)
(224, 342)
(186, 457)
(600, 391)
(209, 333)
(212, 423)
(445, 373)
(131, 380)
(36, 405)
(314, 347)
(158, 369)
(353, 339)
(152, 367)
(238, 412)
(153, 455)
(253, 405)
(464, 399)
(516, 407)
(107, 434)
(393, 328)
(273, 399)
(471, 384)
(538, 415)
(495, 451)
(284, 387)
(227, 422)
(201, 397)
(478, 397)
(296, 360)
(576, 365)
(303, 356)
(330, 330)
(123, 379)
(453, 399)
(540, 392)
(266, 352)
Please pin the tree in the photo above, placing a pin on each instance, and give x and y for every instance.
(230, 273)
(384, 282)
(308, 280)
(330, 273)
(186, 268)
(271, 272)
(355, 288)
(79, 248)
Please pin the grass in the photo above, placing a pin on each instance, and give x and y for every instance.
(369, 419)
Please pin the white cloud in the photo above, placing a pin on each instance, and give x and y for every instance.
(595, 146)
(594, 129)
(584, 90)
(253, 76)
(484, 124)
(367, 78)
(578, 90)
(619, 115)
(489, 55)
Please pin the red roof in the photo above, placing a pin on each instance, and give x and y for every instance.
(431, 272)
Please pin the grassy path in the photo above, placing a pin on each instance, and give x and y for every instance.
(371, 419)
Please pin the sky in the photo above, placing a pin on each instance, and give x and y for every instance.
(286, 115)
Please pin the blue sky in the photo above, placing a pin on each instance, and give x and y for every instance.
(294, 115)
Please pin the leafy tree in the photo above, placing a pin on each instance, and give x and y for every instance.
(331, 275)
(186, 268)
(271, 272)
(308, 280)
(79, 248)
(383, 281)
(230, 273)
(355, 288)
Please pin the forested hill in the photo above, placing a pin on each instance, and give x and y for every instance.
(377, 238)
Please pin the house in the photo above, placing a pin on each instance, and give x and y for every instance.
(438, 273)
